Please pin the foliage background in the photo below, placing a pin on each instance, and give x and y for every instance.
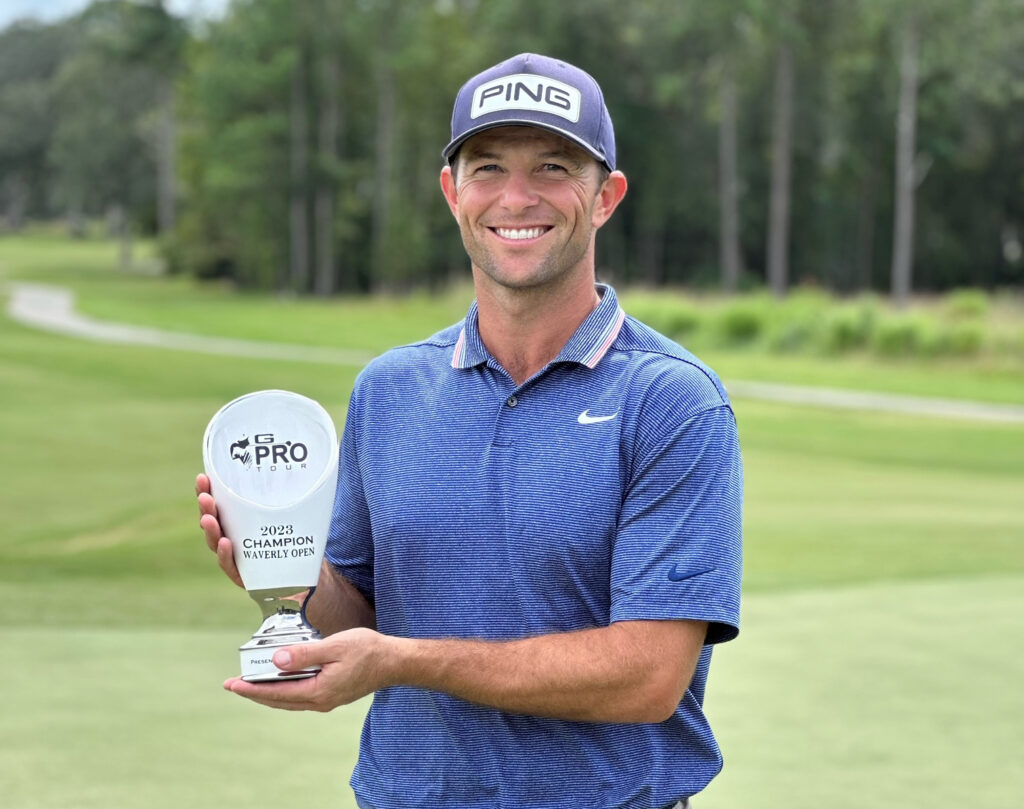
(295, 144)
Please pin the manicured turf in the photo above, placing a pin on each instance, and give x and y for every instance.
(136, 718)
(880, 659)
(904, 692)
(888, 694)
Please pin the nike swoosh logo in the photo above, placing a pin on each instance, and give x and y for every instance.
(675, 575)
(586, 418)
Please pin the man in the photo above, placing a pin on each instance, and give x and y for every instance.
(536, 537)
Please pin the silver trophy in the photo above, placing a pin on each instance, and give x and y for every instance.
(271, 457)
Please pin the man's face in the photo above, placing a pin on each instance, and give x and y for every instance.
(528, 203)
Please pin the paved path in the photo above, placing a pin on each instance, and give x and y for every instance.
(52, 309)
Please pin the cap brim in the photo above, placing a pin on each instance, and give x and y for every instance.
(449, 151)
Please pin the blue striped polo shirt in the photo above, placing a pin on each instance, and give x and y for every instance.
(608, 487)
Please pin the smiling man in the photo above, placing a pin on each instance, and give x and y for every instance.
(536, 535)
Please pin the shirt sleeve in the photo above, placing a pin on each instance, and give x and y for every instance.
(350, 539)
(678, 551)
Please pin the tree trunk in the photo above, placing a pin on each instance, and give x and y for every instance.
(865, 253)
(326, 278)
(76, 222)
(299, 163)
(728, 183)
(119, 226)
(383, 158)
(906, 126)
(166, 197)
(782, 159)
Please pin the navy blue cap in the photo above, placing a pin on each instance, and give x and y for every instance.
(533, 90)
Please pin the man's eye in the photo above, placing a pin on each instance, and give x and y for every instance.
(488, 167)
(553, 167)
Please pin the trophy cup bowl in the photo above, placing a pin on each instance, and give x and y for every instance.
(271, 457)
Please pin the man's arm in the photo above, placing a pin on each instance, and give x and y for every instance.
(632, 671)
(336, 605)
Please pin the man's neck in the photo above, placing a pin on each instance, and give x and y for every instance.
(525, 329)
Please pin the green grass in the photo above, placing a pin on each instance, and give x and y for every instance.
(136, 718)
(880, 658)
(899, 694)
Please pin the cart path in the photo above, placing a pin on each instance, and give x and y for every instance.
(52, 309)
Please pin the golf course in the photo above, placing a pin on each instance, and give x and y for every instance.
(880, 660)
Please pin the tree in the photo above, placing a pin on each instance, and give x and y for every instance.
(30, 57)
(731, 256)
(327, 272)
(781, 159)
(906, 126)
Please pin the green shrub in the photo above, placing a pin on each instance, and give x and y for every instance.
(792, 334)
(902, 335)
(964, 304)
(849, 327)
(682, 320)
(795, 321)
(672, 316)
(961, 339)
(741, 321)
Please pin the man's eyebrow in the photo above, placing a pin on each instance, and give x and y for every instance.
(473, 154)
(563, 154)
(569, 155)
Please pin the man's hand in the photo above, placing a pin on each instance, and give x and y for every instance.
(354, 664)
(215, 539)
(634, 671)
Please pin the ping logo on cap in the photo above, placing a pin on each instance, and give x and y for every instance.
(527, 91)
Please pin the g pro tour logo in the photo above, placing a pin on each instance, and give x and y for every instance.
(264, 452)
(526, 91)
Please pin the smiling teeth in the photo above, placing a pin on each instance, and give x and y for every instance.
(519, 233)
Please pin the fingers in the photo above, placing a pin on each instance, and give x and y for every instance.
(350, 662)
(215, 539)
(294, 658)
(226, 560)
(208, 521)
(202, 484)
(288, 695)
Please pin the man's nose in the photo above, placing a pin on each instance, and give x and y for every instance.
(518, 192)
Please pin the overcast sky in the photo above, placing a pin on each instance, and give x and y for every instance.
(49, 10)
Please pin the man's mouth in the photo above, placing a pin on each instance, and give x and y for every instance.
(520, 234)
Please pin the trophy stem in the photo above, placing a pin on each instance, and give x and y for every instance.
(284, 624)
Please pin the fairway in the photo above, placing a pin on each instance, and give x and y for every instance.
(879, 662)
(831, 694)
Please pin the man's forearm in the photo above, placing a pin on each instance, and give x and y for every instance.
(634, 671)
(337, 605)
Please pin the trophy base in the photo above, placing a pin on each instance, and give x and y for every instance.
(282, 627)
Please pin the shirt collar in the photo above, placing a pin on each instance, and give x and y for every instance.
(587, 346)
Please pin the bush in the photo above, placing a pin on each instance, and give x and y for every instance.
(964, 304)
(672, 316)
(741, 321)
(961, 339)
(962, 324)
(902, 336)
(849, 327)
(796, 321)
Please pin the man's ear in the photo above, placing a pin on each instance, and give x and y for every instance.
(449, 191)
(608, 198)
